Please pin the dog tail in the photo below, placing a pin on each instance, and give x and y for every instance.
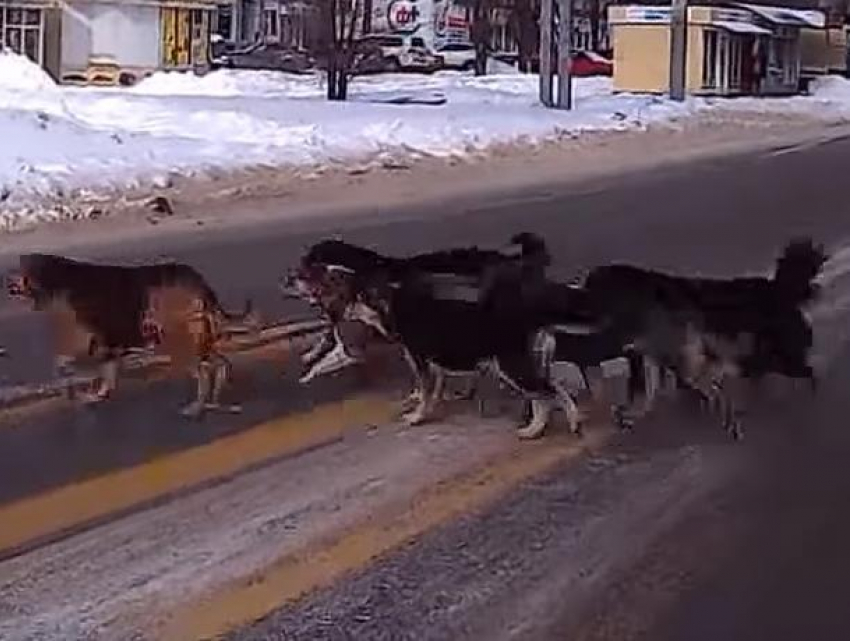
(533, 247)
(243, 322)
(797, 270)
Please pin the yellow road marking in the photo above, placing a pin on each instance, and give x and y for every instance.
(248, 599)
(54, 511)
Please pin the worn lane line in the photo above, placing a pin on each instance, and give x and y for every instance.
(249, 599)
(51, 514)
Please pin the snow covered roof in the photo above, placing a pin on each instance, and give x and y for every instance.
(786, 15)
(740, 27)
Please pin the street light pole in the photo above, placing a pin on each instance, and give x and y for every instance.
(546, 47)
(565, 48)
(678, 49)
(556, 54)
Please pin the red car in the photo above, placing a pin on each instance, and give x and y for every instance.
(588, 63)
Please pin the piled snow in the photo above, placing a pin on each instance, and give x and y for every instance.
(64, 142)
(18, 73)
(829, 97)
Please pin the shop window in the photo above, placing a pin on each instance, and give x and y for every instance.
(709, 60)
(271, 24)
(735, 62)
(21, 30)
(185, 37)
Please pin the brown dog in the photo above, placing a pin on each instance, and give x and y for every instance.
(108, 311)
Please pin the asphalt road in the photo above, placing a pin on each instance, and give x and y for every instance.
(672, 534)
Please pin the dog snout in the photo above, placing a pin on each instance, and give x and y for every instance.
(16, 287)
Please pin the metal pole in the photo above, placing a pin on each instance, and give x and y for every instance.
(565, 50)
(678, 49)
(546, 19)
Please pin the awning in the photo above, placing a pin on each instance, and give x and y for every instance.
(785, 16)
(741, 27)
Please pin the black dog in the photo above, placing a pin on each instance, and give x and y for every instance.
(742, 327)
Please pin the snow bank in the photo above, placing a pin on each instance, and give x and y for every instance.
(58, 143)
(17, 73)
(829, 98)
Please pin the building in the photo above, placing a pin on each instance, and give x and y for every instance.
(292, 24)
(737, 49)
(107, 41)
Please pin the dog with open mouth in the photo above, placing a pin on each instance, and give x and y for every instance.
(331, 270)
(104, 312)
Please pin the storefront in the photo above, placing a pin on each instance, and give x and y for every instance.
(22, 29)
(731, 51)
(185, 37)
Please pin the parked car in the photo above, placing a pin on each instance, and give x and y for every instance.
(589, 63)
(458, 56)
(378, 53)
(262, 57)
(584, 63)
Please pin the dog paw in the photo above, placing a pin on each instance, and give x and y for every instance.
(530, 432)
(413, 418)
(224, 409)
(622, 420)
(735, 430)
(91, 398)
(193, 410)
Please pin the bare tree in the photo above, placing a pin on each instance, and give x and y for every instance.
(594, 13)
(480, 30)
(526, 18)
(339, 18)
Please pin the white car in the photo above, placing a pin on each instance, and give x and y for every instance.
(458, 56)
(403, 53)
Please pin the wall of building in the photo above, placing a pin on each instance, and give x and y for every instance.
(129, 33)
(642, 57)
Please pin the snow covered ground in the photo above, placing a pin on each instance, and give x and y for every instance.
(62, 143)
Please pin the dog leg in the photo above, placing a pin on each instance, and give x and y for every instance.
(107, 384)
(541, 410)
(415, 397)
(731, 414)
(334, 360)
(568, 405)
(422, 375)
(732, 420)
(652, 376)
(222, 373)
(204, 374)
(63, 367)
(319, 346)
(438, 392)
(418, 414)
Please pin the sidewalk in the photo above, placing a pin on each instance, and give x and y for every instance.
(84, 153)
(317, 198)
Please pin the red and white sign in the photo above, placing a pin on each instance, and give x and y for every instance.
(403, 16)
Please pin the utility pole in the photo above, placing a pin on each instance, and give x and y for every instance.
(547, 20)
(678, 49)
(556, 53)
(565, 54)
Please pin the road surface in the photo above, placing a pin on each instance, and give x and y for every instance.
(286, 526)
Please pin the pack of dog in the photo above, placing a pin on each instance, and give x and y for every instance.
(460, 311)
(104, 312)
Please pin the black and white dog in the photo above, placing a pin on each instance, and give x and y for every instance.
(508, 319)
(710, 332)
(332, 270)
